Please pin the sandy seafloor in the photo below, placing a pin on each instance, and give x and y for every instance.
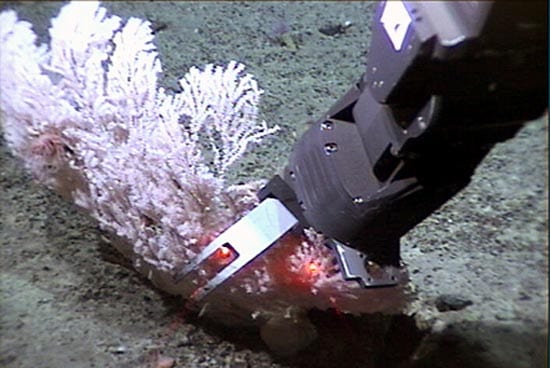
(68, 300)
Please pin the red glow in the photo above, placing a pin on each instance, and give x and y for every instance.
(224, 252)
(312, 268)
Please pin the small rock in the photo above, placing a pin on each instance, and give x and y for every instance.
(121, 349)
(334, 29)
(287, 335)
(505, 315)
(184, 341)
(451, 302)
(165, 362)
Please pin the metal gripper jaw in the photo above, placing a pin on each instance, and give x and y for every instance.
(355, 265)
(246, 240)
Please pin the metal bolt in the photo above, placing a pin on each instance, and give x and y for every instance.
(421, 122)
(358, 200)
(330, 148)
(327, 125)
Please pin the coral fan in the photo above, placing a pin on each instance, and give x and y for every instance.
(88, 119)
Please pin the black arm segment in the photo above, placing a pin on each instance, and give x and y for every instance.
(437, 95)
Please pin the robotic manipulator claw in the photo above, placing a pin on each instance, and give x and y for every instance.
(258, 230)
(445, 82)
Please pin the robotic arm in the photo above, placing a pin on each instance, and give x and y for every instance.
(445, 82)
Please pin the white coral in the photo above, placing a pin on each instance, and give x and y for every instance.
(223, 108)
(90, 103)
